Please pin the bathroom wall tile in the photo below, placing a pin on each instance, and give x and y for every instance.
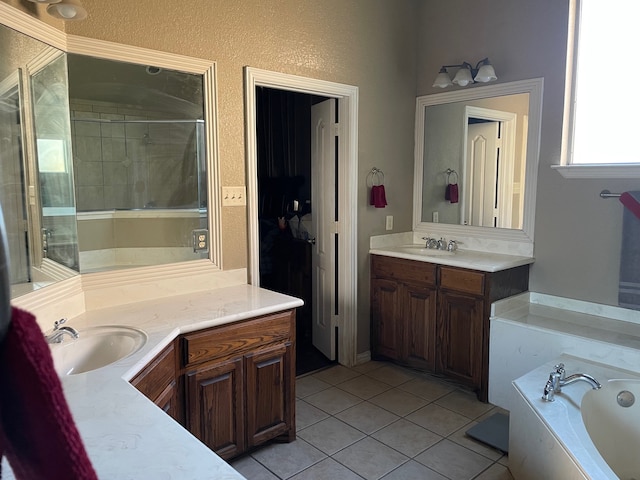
(407, 437)
(413, 470)
(87, 149)
(370, 458)
(116, 196)
(367, 417)
(287, 459)
(87, 128)
(330, 435)
(90, 198)
(453, 461)
(326, 469)
(439, 420)
(398, 401)
(115, 174)
(136, 130)
(89, 174)
(136, 150)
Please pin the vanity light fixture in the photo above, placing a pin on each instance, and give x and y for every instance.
(466, 74)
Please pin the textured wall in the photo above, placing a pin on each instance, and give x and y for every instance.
(577, 234)
(367, 43)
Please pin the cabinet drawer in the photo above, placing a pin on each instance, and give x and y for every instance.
(462, 280)
(403, 270)
(236, 338)
(157, 375)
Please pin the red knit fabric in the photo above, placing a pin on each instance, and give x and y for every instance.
(37, 432)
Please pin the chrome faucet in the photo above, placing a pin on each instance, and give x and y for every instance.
(558, 379)
(430, 242)
(55, 335)
(452, 246)
(441, 244)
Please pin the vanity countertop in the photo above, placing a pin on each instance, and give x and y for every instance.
(475, 260)
(125, 434)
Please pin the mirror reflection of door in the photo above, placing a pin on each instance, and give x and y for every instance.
(489, 169)
(12, 175)
(54, 160)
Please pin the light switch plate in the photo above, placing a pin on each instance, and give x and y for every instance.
(233, 196)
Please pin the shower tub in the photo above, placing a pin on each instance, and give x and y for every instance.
(584, 433)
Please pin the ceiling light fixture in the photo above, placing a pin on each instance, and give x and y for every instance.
(483, 73)
(65, 9)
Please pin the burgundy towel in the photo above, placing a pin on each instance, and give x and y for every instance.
(378, 197)
(631, 200)
(451, 193)
(37, 432)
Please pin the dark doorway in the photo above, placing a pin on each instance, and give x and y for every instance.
(285, 207)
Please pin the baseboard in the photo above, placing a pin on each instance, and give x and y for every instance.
(363, 357)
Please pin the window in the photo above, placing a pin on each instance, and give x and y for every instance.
(602, 94)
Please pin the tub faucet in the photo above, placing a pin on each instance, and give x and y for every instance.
(558, 379)
(55, 335)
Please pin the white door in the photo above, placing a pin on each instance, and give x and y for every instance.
(483, 150)
(323, 188)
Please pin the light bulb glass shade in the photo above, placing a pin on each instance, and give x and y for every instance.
(486, 73)
(67, 11)
(442, 80)
(463, 77)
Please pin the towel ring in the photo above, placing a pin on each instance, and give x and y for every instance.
(450, 172)
(375, 175)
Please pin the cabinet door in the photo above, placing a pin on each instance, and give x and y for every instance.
(460, 337)
(419, 326)
(385, 318)
(270, 394)
(168, 401)
(215, 406)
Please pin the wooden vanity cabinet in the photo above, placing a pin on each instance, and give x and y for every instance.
(436, 317)
(159, 383)
(240, 383)
(403, 297)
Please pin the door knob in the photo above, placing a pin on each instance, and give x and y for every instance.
(312, 240)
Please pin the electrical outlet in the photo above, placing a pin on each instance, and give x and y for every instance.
(233, 196)
(200, 240)
(434, 217)
(389, 222)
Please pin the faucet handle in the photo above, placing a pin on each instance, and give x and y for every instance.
(452, 246)
(560, 370)
(58, 323)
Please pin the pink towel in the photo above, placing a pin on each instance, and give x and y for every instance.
(37, 432)
(378, 197)
(631, 200)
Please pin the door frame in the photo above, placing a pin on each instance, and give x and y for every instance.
(347, 96)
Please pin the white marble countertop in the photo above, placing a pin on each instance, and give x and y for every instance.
(125, 434)
(475, 260)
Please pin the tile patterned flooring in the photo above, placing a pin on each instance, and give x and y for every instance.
(379, 421)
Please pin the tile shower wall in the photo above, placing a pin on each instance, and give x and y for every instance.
(130, 165)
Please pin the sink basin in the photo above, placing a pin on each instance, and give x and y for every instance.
(96, 347)
(421, 250)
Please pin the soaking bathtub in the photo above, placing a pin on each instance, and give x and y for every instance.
(584, 433)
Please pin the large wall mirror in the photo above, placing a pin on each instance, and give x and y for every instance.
(476, 161)
(106, 163)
